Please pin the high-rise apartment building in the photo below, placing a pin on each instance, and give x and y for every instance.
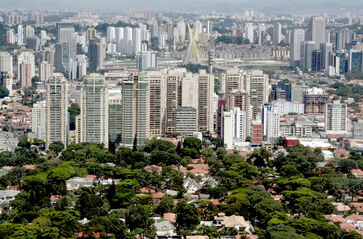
(45, 71)
(205, 101)
(186, 120)
(135, 110)
(115, 115)
(26, 67)
(39, 116)
(271, 122)
(6, 62)
(94, 110)
(277, 35)
(258, 91)
(157, 109)
(57, 123)
(336, 117)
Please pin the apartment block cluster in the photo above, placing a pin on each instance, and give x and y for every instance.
(146, 105)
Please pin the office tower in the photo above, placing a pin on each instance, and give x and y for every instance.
(10, 37)
(173, 95)
(57, 123)
(6, 62)
(81, 66)
(48, 55)
(277, 35)
(186, 120)
(135, 111)
(228, 129)
(342, 62)
(297, 37)
(66, 36)
(258, 91)
(205, 101)
(271, 122)
(342, 38)
(298, 92)
(136, 38)
(189, 90)
(91, 34)
(94, 110)
(29, 31)
(157, 109)
(249, 32)
(326, 50)
(336, 117)
(358, 129)
(20, 35)
(315, 100)
(307, 49)
(355, 62)
(45, 71)
(316, 30)
(96, 54)
(62, 60)
(119, 37)
(39, 116)
(114, 115)
(234, 80)
(316, 60)
(110, 34)
(146, 60)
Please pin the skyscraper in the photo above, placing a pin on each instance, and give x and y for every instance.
(94, 110)
(57, 109)
(316, 30)
(135, 110)
(297, 37)
(96, 54)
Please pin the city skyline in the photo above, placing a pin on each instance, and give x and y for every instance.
(187, 5)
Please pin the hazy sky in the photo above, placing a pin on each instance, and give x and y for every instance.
(223, 5)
